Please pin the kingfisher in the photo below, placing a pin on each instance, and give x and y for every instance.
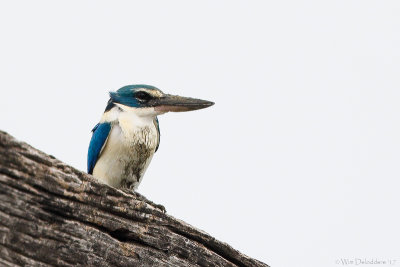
(128, 134)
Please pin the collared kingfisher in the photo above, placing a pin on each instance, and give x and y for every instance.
(128, 134)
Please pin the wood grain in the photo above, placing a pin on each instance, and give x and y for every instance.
(54, 215)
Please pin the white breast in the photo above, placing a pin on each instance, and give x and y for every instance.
(128, 149)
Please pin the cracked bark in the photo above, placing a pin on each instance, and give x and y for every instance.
(54, 215)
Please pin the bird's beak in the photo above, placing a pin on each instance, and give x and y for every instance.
(176, 103)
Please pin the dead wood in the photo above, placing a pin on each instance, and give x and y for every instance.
(54, 215)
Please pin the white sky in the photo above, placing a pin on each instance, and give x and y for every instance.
(297, 164)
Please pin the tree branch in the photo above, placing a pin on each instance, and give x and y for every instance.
(52, 214)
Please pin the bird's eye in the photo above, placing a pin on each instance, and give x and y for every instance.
(143, 96)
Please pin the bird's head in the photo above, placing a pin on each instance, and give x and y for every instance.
(149, 98)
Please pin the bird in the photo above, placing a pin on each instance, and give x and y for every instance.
(128, 134)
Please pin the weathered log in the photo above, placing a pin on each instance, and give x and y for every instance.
(54, 215)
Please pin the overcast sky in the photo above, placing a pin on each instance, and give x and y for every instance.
(297, 164)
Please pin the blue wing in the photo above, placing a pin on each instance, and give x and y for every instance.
(158, 132)
(99, 137)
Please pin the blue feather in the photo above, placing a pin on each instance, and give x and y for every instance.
(125, 95)
(99, 137)
(158, 130)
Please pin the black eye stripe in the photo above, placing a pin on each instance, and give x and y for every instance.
(143, 96)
